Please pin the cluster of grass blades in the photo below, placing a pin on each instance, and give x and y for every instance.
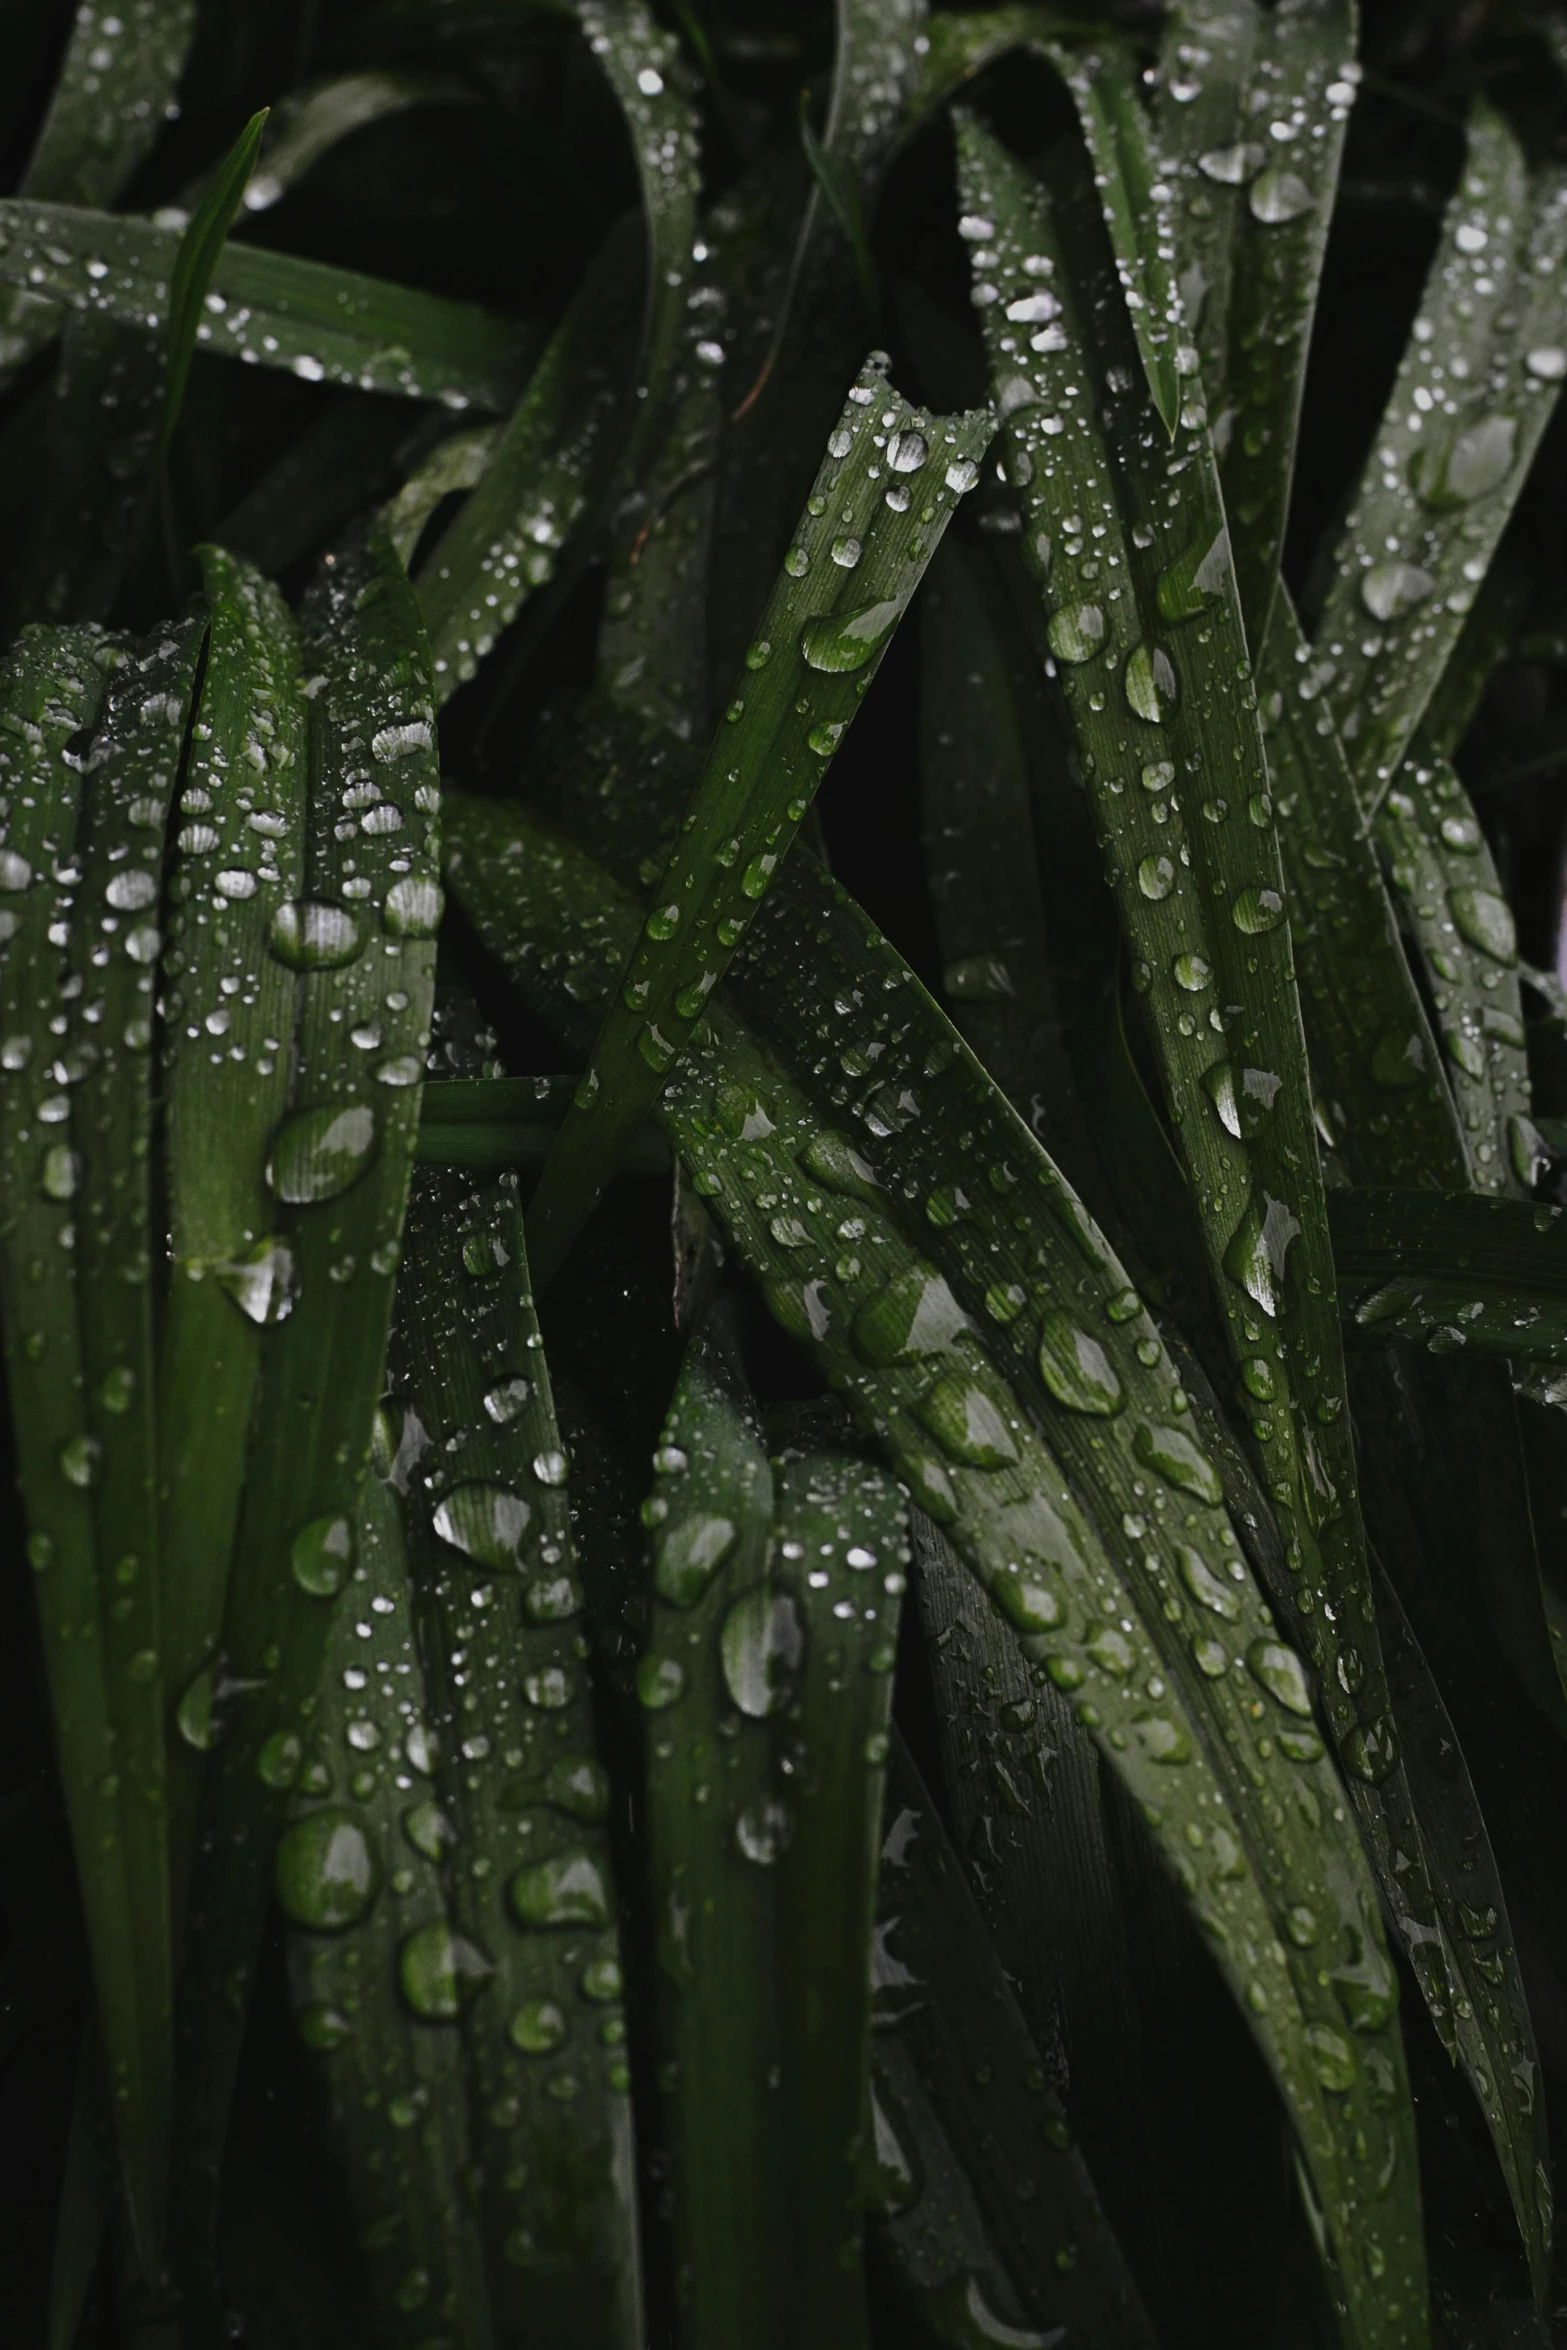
(783, 1098)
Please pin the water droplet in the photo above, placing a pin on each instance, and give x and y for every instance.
(196, 1715)
(1076, 1369)
(505, 1402)
(839, 642)
(326, 1874)
(1471, 465)
(1281, 1673)
(570, 1889)
(1196, 579)
(1371, 1750)
(316, 1154)
(663, 922)
(580, 1787)
(1025, 1601)
(915, 1315)
(1244, 1098)
(1151, 691)
(15, 871)
(1397, 1061)
(1332, 2058)
(1255, 1257)
(81, 1459)
(538, 2028)
(320, 1556)
(1076, 632)
(907, 451)
(1174, 1456)
(129, 891)
(1256, 911)
(1486, 921)
(689, 1555)
(311, 937)
(486, 1523)
(760, 1647)
(1277, 195)
(413, 908)
(1156, 878)
(550, 1467)
(763, 1831)
(1221, 1598)
(261, 1282)
(322, 2026)
(846, 553)
(438, 1970)
(962, 474)
(1388, 590)
(661, 1682)
(968, 1424)
(1548, 363)
(428, 1830)
(1231, 167)
(1193, 972)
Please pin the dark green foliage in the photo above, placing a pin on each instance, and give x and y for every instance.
(788, 1548)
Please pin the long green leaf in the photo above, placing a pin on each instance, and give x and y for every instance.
(338, 1168)
(522, 1798)
(228, 1025)
(272, 310)
(1203, 907)
(378, 1972)
(859, 553)
(1474, 393)
(923, 1353)
(200, 249)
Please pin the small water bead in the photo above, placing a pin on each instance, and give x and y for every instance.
(962, 473)
(130, 891)
(486, 1523)
(61, 1172)
(15, 872)
(321, 1554)
(81, 1461)
(1371, 1750)
(437, 1970)
(846, 553)
(1332, 2058)
(1398, 1061)
(484, 1255)
(1156, 878)
(569, 1889)
(915, 1315)
(1547, 363)
(837, 643)
(1277, 196)
(309, 936)
(550, 1467)
(538, 2028)
(1077, 632)
(764, 1831)
(326, 1874)
(580, 1787)
(413, 908)
(759, 654)
(279, 1762)
(1158, 775)
(317, 1154)
(1486, 921)
(1231, 167)
(322, 2026)
(1256, 911)
(1149, 683)
(428, 1830)
(196, 1716)
(1179, 1460)
(760, 1646)
(1192, 972)
(661, 1683)
(504, 1402)
(1388, 590)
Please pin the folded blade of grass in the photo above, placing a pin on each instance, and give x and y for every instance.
(506, 541)
(859, 554)
(1451, 903)
(1381, 1096)
(1254, 226)
(229, 1014)
(1474, 393)
(200, 248)
(109, 103)
(53, 687)
(273, 310)
(380, 1973)
(714, 1910)
(848, 1274)
(102, 1163)
(1202, 903)
(338, 1168)
(522, 1792)
(989, 2092)
(840, 1554)
(1021, 1785)
(458, 462)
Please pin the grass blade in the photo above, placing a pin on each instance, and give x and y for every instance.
(339, 1169)
(847, 581)
(91, 503)
(1219, 984)
(273, 310)
(229, 1016)
(1452, 451)
(377, 1973)
(963, 2031)
(344, 460)
(1500, 1265)
(522, 1797)
(103, 1163)
(900, 1336)
(507, 540)
(1201, 84)
(200, 248)
(309, 123)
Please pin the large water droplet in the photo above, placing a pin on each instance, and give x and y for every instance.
(915, 1315)
(1076, 632)
(320, 1556)
(968, 1424)
(261, 1282)
(1076, 1369)
(842, 641)
(1231, 167)
(316, 1154)
(1388, 590)
(1244, 1098)
(1196, 579)
(1471, 465)
(1156, 878)
(568, 1890)
(326, 1874)
(538, 2028)
(1256, 911)
(1281, 1673)
(689, 1555)
(1174, 1456)
(438, 1970)
(487, 1523)
(1151, 690)
(311, 937)
(1255, 1257)
(763, 1831)
(1277, 195)
(1486, 921)
(760, 1647)
(1224, 1599)
(1332, 2058)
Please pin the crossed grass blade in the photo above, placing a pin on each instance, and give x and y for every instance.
(346, 459)
(229, 1012)
(1452, 451)
(1201, 900)
(1258, 144)
(1055, 2247)
(105, 113)
(272, 309)
(521, 1795)
(338, 1170)
(860, 550)
(933, 1393)
(378, 1973)
(54, 684)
